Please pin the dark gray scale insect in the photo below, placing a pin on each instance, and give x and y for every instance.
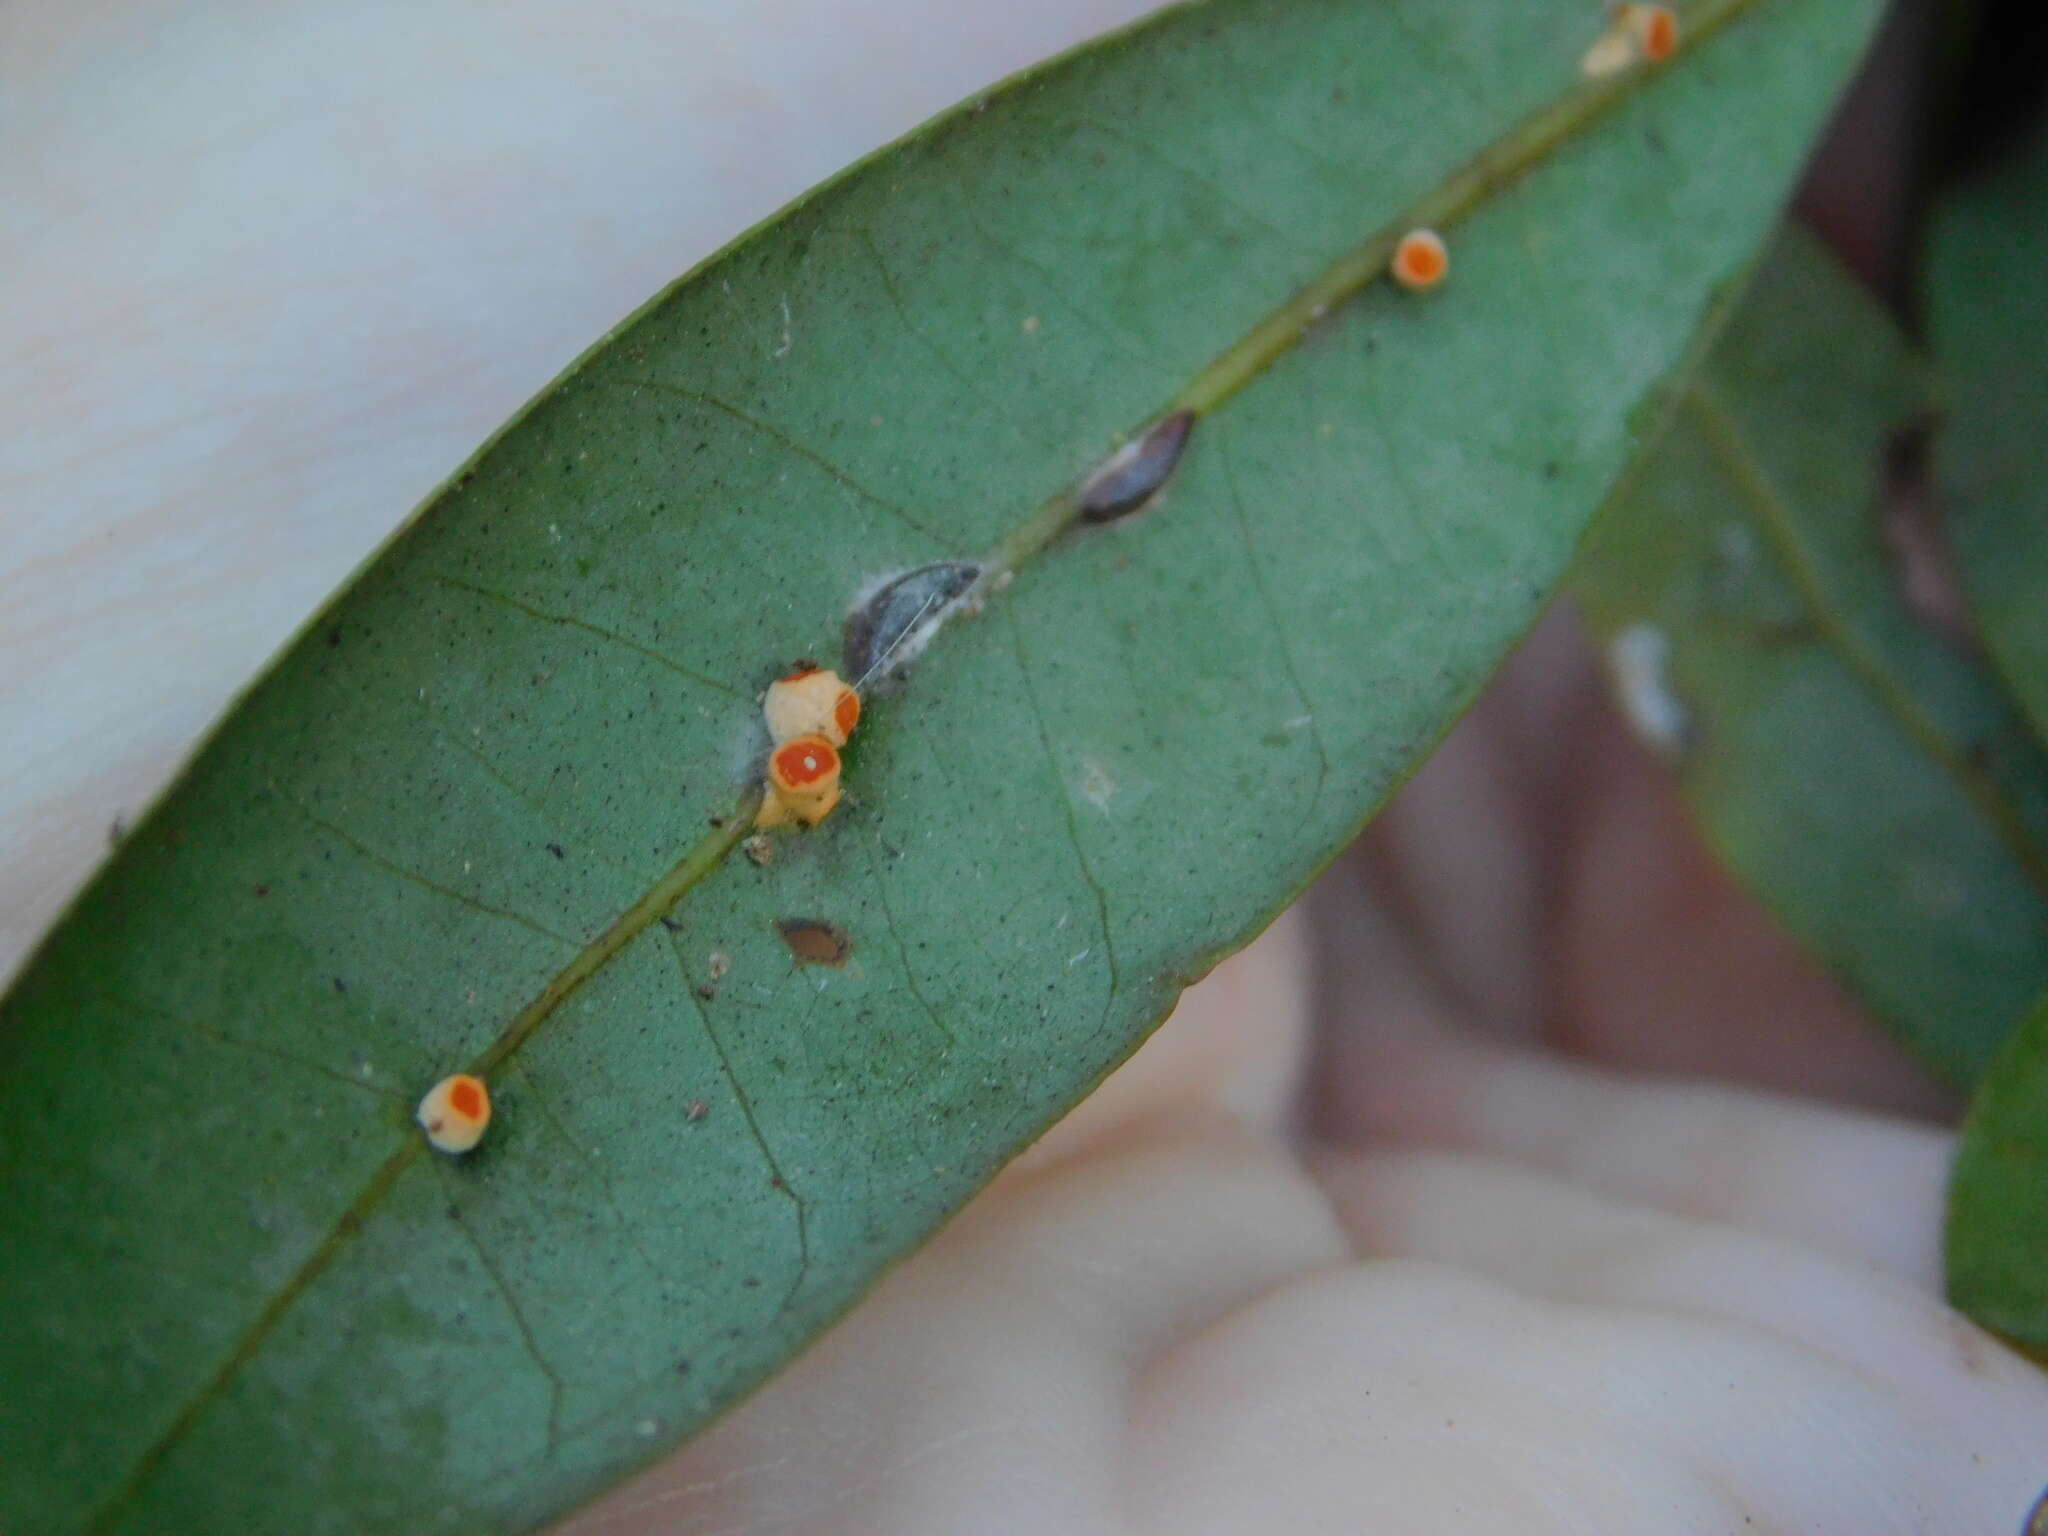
(1133, 475)
(881, 632)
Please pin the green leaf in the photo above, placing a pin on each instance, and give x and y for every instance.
(1861, 773)
(1988, 312)
(1997, 1258)
(462, 821)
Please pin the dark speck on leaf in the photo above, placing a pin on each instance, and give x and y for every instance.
(671, 925)
(709, 994)
(340, 985)
(556, 850)
(333, 637)
(814, 942)
(262, 890)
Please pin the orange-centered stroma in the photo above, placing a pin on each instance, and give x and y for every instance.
(455, 1112)
(805, 763)
(1421, 259)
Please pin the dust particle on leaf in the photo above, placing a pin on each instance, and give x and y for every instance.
(815, 942)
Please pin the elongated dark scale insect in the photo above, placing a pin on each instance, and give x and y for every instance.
(879, 627)
(1133, 475)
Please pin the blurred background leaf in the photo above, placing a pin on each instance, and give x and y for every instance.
(1844, 749)
(1997, 1254)
(1988, 317)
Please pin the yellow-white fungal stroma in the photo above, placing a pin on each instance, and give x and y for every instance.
(456, 1112)
(814, 702)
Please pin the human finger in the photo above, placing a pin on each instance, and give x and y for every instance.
(984, 1385)
(1548, 1237)
(1400, 1395)
(1861, 1187)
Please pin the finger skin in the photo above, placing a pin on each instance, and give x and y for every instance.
(1398, 1396)
(1862, 1187)
(1554, 1239)
(984, 1387)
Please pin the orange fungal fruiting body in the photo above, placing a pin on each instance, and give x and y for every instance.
(1654, 29)
(1639, 32)
(813, 702)
(803, 782)
(456, 1112)
(1421, 260)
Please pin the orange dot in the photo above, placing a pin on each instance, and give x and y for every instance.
(1660, 33)
(804, 763)
(801, 673)
(846, 713)
(1421, 259)
(466, 1098)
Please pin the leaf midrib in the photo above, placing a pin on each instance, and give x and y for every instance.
(1497, 165)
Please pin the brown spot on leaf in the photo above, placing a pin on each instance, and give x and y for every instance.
(815, 942)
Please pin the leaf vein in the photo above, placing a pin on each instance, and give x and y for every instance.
(1771, 509)
(777, 1181)
(569, 621)
(412, 876)
(809, 455)
(557, 1389)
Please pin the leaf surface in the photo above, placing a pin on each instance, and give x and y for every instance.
(1858, 769)
(1988, 312)
(1997, 1239)
(464, 820)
